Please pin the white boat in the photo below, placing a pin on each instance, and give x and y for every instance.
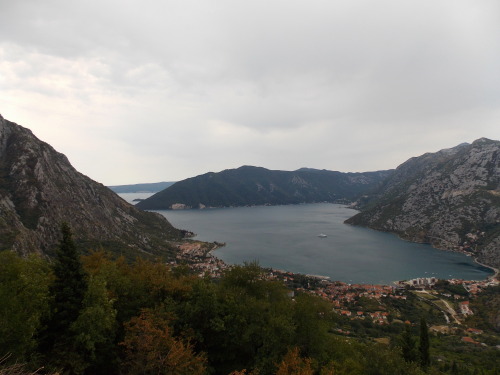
(321, 235)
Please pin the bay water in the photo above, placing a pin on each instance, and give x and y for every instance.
(132, 198)
(286, 238)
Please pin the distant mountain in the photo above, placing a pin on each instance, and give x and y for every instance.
(141, 188)
(249, 185)
(450, 199)
(39, 189)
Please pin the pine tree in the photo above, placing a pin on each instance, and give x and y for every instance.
(70, 283)
(424, 345)
(58, 342)
(408, 347)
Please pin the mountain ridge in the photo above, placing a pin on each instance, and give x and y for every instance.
(250, 185)
(40, 189)
(449, 199)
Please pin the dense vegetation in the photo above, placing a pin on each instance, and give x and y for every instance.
(98, 315)
(487, 306)
(247, 186)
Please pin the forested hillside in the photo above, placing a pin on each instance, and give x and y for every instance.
(101, 315)
(247, 186)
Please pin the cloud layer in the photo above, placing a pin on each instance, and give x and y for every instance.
(142, 91)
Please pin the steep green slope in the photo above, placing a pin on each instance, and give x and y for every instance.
(249, 185)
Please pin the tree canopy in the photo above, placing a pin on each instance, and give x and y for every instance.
(150, 317)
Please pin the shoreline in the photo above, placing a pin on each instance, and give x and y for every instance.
(189, 208)
(217, 246)
(476, 274)
(496, 271)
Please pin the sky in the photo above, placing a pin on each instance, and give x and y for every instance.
(135, 91)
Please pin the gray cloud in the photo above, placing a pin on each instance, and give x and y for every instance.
(136, 91)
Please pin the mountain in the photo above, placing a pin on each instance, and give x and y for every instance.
(141, 188)
(249, 185)
(450, 199)
(39, 189)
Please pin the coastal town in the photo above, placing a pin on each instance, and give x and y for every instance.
(366, 302)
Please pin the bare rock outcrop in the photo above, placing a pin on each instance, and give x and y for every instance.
(39, 189)
(450, 199)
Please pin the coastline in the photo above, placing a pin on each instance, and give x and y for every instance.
(328, 279)
(202, 259)
(494, 276)
(455, 266)
(495, 270)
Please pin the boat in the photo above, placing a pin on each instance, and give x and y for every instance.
(321, 235)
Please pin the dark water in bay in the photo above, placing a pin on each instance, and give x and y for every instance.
(286, 237)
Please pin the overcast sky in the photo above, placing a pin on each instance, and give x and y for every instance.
(148, 90)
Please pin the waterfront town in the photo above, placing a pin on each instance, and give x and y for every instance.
(364, 301)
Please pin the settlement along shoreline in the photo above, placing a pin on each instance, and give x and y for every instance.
(475, 260)
(200, 256)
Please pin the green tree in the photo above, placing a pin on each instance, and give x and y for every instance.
(247, 279)
(70, 284)
(67, 291)
(311, 319)
(95, 328)
(408, 345)
(424, 345)
(129, 294)
(256, 321)
(24, 301)
(242, 321)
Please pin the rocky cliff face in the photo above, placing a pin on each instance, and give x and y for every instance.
(450, 199)
(39, 189)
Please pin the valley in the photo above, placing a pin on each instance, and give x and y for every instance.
(91, 284)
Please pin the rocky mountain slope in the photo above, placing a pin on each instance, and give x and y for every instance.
(249, 185)
(39, 189)
(450, 199)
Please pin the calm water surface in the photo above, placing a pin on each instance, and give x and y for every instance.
(286, 237)
(129, 197)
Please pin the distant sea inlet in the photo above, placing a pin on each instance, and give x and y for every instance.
(287, 238)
